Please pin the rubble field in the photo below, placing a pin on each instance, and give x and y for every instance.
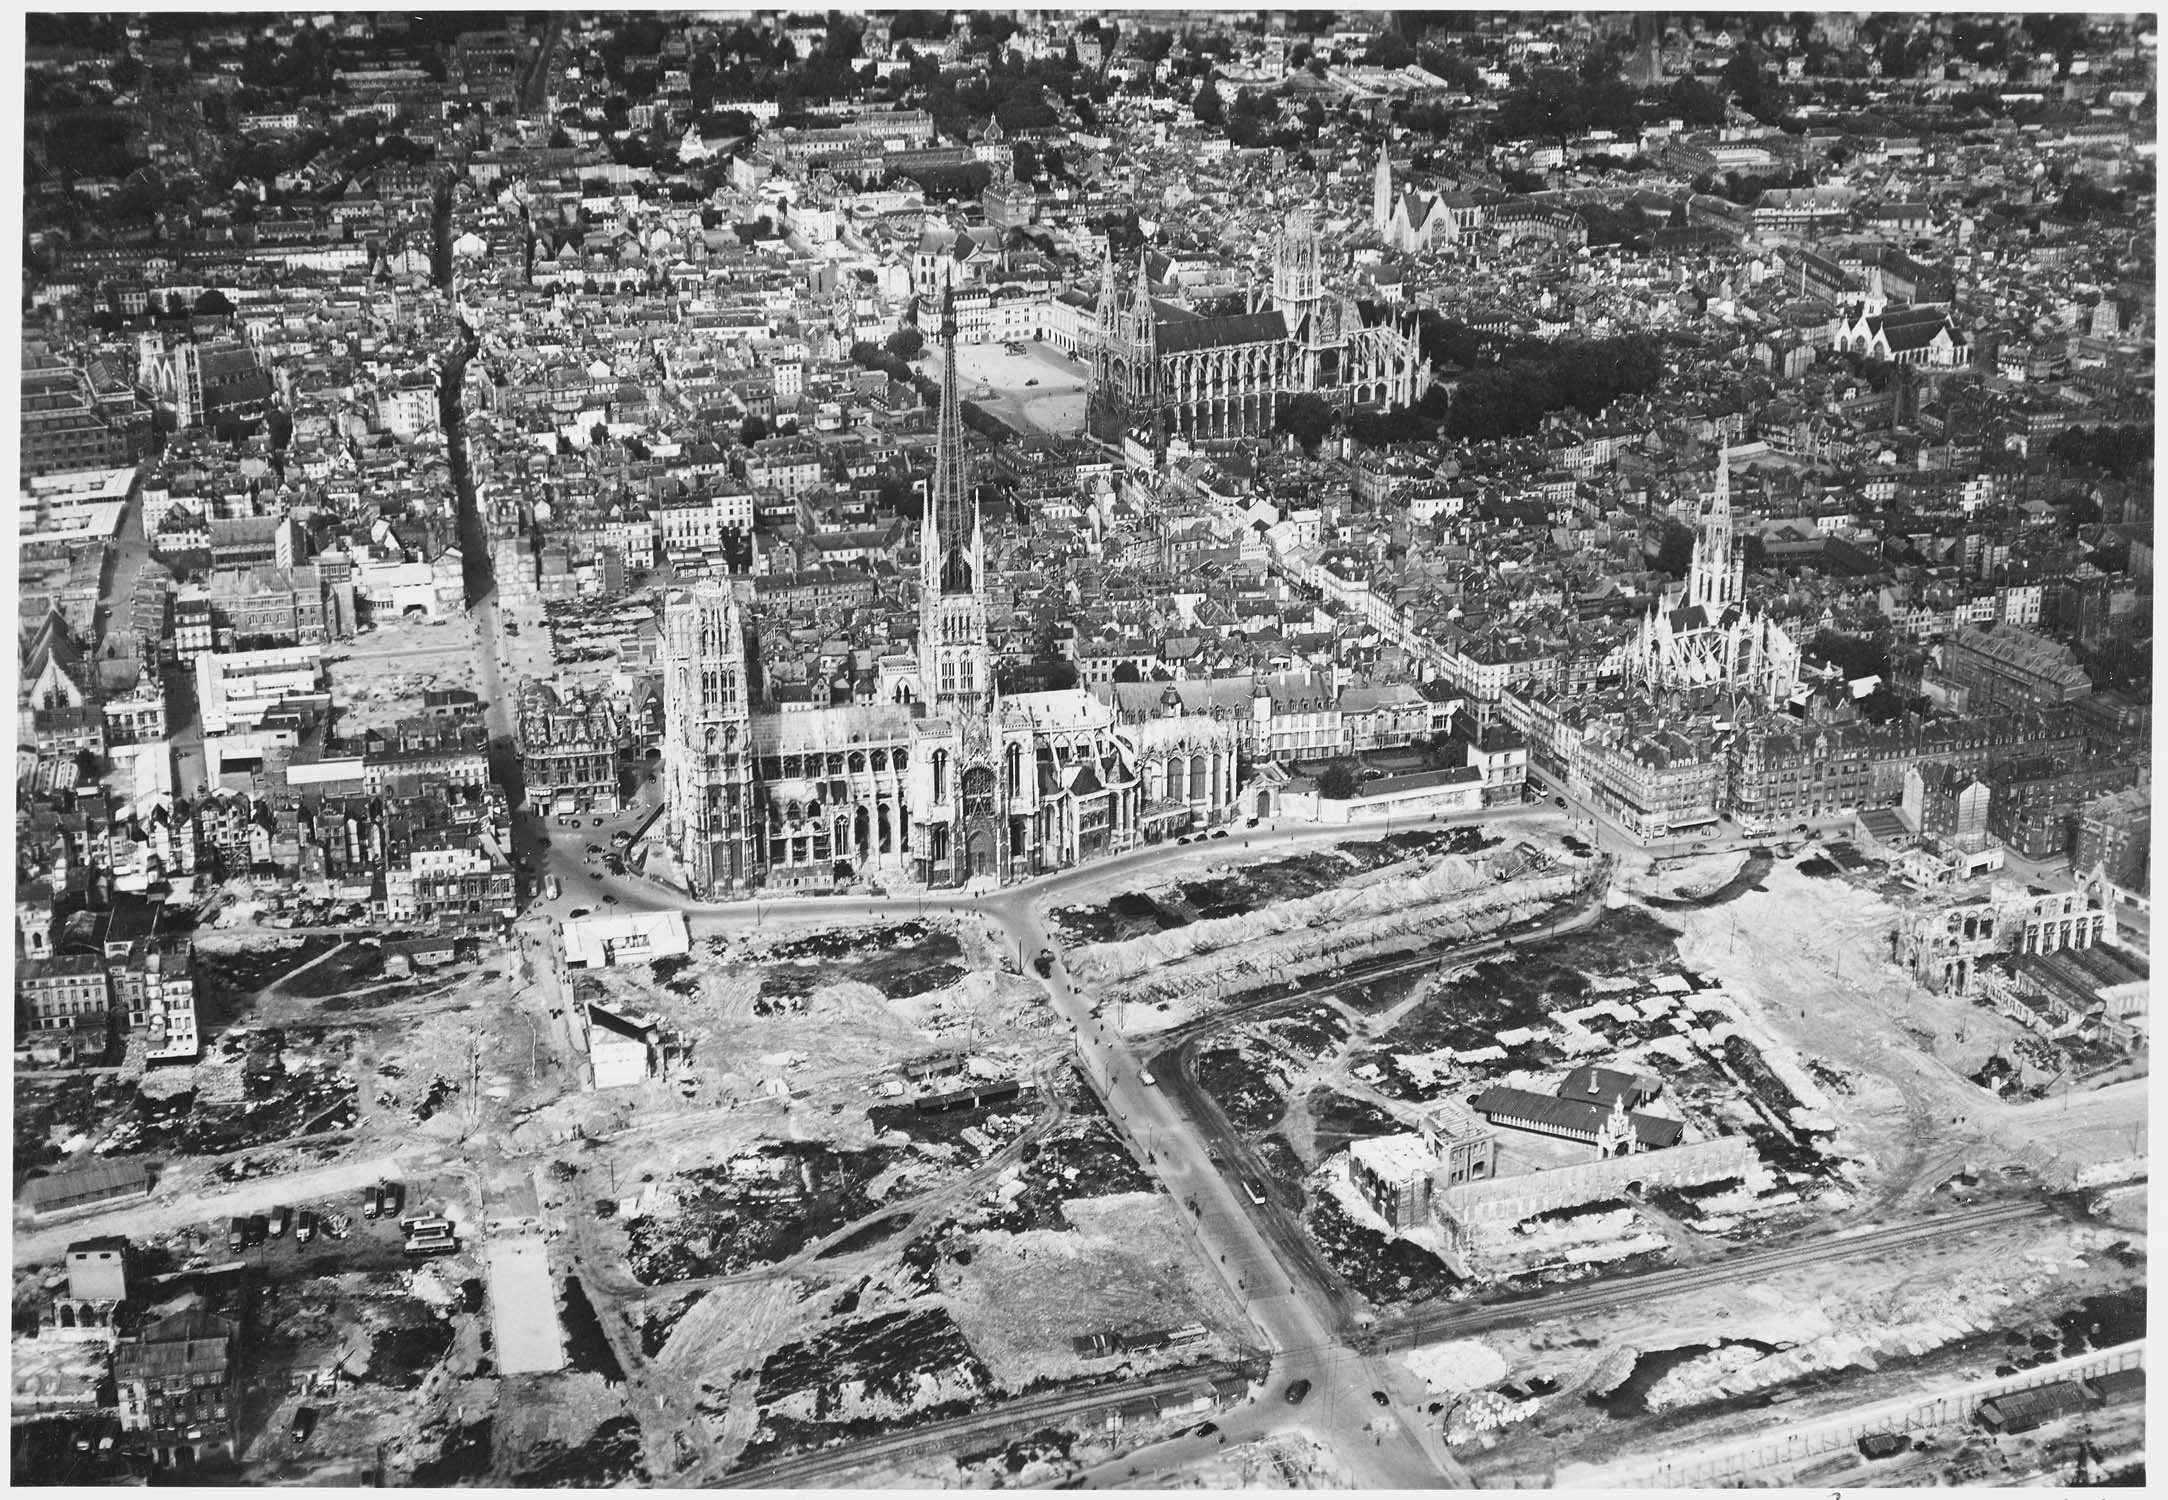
(1634, 990)
(1807, 963)
(1226, 887)
(1678, 1373)
(379, 678)
(978, 1290)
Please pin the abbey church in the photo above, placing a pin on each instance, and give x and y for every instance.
(943, 780)
(1161, 370)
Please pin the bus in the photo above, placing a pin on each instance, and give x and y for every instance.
(430, 1236)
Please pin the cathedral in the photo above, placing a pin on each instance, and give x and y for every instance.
(1703, 633)
(944, 780)
(1163, 370)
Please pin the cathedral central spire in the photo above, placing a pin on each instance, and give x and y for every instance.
(951, 554)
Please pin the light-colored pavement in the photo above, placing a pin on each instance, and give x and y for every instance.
(172, 1209)
(523, 1307)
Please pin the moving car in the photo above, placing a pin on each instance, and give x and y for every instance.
(1560, 801)
(578, 911)
(1297, 1391)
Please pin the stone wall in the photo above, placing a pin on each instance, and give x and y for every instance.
(1511, 1199)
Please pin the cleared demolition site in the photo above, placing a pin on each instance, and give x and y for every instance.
(1526, 1070)
(1601, 1161)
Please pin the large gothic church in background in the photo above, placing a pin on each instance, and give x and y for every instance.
(1161, 370)
(944, 780)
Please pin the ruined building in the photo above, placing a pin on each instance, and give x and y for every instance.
(1944, 945)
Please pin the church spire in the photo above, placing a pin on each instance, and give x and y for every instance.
(950, 550)
(1716, 575)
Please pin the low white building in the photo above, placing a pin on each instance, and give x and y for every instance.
(635, 937)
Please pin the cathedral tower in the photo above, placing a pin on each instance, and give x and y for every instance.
(707, 747)
(955, 664)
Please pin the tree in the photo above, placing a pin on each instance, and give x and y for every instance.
(1855, 656)
(1337, 781)
(1389, 49)
(752, 430)
(1127, 671)
(214, 304)
(1306, 417)
(1208, 107)
(906, 343)
(1675, 551)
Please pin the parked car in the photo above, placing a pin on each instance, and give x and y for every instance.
(1560, 801)
(391, 1197)
(259, 1230)
(372, 1201)
(1381, 1398)
(279, 1217)
(610, 897)
(593, 850)
(304, 1227)
(237, 1236)
(304, 1424)
(578, 911)
(1297, 1391)
(1219, 833)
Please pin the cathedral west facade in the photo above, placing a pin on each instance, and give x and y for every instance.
(943, 780)
(1162, 370)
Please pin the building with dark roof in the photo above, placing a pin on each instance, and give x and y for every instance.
(1614, 1131)
(86, 1189)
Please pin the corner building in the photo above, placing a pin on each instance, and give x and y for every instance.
(942, 781)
